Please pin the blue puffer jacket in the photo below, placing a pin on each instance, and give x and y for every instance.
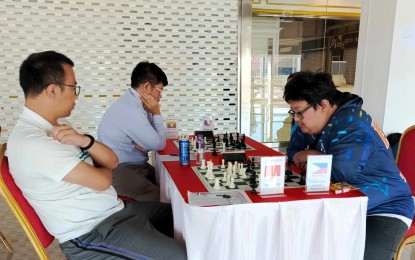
(361, 156)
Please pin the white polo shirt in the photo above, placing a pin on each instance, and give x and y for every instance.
(38, 164)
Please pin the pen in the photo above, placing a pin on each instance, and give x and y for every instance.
(226, 196)
(173, 154)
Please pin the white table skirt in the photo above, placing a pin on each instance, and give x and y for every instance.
(298, 230)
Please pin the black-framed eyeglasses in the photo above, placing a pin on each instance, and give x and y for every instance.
(299, 115)
(76, 87)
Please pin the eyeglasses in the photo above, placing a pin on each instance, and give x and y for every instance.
(160, 90)
(299, 115)
(76, 87)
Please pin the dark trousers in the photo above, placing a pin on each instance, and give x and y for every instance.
(383, 235)
(136, 181)
(142, 230)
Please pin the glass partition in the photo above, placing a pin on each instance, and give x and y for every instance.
(281, 45)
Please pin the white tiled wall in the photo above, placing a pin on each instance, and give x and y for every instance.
(194, 42)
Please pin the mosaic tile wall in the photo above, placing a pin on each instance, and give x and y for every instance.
(194, 42)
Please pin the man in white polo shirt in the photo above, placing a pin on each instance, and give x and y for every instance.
(66, 176)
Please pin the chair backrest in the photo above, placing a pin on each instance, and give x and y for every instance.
(25, 214)
(406, 155)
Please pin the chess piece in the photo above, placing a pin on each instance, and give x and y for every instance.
(203, 164)
(232, 184)
(214, 153)
(237, 144)
(217, 184)
(225, 177)
(252, 183)
(232, 142)
(234, 170)
(242, 173)
(223, 164)
(248, 169)
(243, 144)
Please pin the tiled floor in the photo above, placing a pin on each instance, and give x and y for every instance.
(14, 233)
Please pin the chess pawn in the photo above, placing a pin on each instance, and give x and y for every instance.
(232, 184)
(203, 164)
(242, 173)
(217, 184)
(225, 177)
(223, 164)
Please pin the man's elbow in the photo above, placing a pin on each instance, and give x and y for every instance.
(113, 163)
(103, 184)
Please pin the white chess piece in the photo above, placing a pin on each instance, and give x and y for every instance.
(229, 169)
(224, 177)
(228, 179)
(223, 148)
(217, 185)
(203, 165)
(232, 184)
(223, 164)
(209, 174)
(234, 170)
(242, 172)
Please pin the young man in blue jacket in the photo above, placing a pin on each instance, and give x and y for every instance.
(333, 122)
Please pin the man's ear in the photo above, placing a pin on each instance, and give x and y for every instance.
(147, 87)
(325, 105)
(51, 90)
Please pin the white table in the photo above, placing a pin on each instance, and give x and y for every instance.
(328, 228)
(298, 226)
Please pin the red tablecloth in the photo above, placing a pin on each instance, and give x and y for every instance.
(186, 179)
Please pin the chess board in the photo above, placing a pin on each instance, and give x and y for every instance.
(240, 183)
(219, 146)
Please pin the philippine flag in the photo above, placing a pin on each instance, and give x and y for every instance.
(320, 168)
(272, 171)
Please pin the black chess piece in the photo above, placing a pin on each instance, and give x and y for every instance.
(302, 178)
(243, 144)
(237, 144)
(252, 183)
(248, 169)
(214, 153)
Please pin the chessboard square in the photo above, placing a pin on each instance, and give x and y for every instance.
(244, 187)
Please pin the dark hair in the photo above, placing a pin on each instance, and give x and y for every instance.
(41, 69)
(148, 72)
(311, 87)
